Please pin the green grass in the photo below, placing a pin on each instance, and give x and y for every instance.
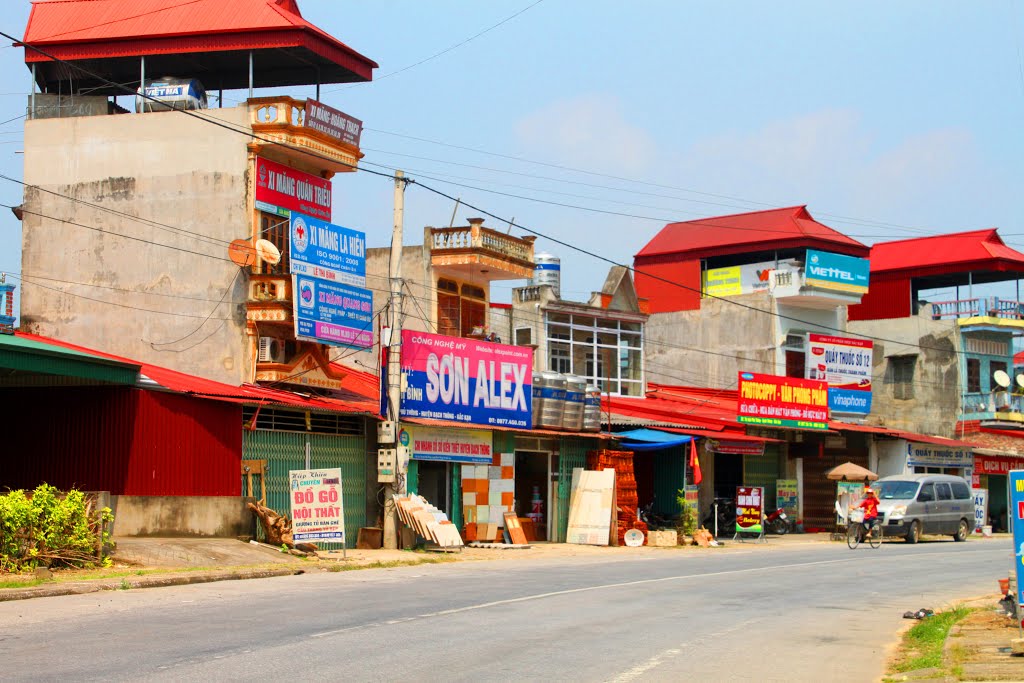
(923, 644)
(27, 582)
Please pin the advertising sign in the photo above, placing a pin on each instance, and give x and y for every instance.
(929, 455)
(465, 380)
(734, 447)
(845, 364)
(317, 510)
(329, 120)
(329, 252)
(786, 495)
(980, 509)
(281, 190)
(996, 464)
(330, 313)
(745, 279)
(447, 444)
(774, 401)
(749, 509)
(1016, 481)
(826, 270)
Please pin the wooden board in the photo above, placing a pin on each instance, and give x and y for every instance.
(515, 531)
(590, 507)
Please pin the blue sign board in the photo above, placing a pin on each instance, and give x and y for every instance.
(1016, 483)
(836, 271)
(852, 401)
(331, 313)
(327, 251)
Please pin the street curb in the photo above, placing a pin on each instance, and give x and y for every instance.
(83, 587)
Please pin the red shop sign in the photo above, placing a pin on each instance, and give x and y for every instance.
(281, 189)
(996, 464)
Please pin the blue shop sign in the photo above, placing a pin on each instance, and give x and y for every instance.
(826, 270)
(1016, 484)
(330, 313)
(852, 401)
(326, 251)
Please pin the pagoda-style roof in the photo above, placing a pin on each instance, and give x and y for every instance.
(978, 251)
(772, 230)
(206, 39)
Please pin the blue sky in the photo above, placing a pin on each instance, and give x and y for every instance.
(889, 120)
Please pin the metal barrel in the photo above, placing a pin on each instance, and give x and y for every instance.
(575, 390)
(548, 399)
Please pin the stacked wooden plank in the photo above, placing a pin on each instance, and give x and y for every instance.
(590, 507)
(625, 488)
(427, 521)
(488, 492)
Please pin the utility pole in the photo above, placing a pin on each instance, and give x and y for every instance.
(394, 371)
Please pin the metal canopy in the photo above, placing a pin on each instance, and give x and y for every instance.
(25, 362)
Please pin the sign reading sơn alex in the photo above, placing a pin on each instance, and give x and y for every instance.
(774, 401)
(465, 380)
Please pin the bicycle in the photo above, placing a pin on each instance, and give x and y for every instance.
(856, 532)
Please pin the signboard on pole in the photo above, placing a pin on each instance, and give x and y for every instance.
(281, 189)
(787, 495)
(330, 121)
(317, 510)
(327, 251)
(980, 509)
(826, 270)
(845, 364)
(774, 401)
(749, 509)
(330, 313)
(1015, 480)
(465, 380)
(448, 444)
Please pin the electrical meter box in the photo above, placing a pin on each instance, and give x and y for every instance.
(386, 432)
(386, 462)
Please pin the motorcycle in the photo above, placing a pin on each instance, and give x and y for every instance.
(722, 518)
(778, 522)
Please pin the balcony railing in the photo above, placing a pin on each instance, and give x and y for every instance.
(992, 402)
(283, 119)
(525, 294)
(990, 306)
(484, 239)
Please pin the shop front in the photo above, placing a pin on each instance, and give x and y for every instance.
(991, 470)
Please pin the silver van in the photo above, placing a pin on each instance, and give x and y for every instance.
(915, 504)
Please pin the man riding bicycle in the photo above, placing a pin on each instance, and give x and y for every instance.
(870, 505)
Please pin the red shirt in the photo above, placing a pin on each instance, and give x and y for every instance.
(870, 505)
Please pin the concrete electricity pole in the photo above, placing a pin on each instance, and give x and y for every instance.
(394, 371)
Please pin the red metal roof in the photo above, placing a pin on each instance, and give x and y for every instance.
(940, 254)
(77, 30)
(774, 229)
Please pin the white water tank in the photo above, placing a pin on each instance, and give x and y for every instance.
(547, 270)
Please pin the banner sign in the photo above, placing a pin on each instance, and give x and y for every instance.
(734, 447)
(980, 509)
(447, 444)
(329, 252)
(845, 364)
(786, 495)
(281, 189)
(774, 401)
(330, 313)
(330, 121)
(826, 270)
(317, 510)
(749, 509)
(1016, 482)
(995, 464)
(465, 380)
(929, 455)
(745, 279)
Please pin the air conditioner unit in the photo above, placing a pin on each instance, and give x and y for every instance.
(271, 350)
(524, 336)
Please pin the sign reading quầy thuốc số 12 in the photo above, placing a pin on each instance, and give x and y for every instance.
(316, 505)
(845, 364)
(465, 380)
(331, 313)
(775, 401)
(327, 251)
(749, 508)
(281, 189)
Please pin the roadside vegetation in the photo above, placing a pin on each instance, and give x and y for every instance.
(922, 646)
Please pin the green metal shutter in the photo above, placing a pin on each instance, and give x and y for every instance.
(669, 470)
(763, 470)
(572, 453)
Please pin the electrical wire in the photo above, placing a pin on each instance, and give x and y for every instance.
(213, 310)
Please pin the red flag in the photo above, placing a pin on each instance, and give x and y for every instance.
(695, 463)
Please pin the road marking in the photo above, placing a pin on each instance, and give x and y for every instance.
(623, 584)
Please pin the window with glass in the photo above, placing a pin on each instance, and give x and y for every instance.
(609, 353)
(461, 309)
(276, 230)
(900, 375)
(973, 375)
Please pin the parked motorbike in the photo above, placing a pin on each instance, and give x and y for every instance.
(656, 521)
(778, 522)
(722, 518)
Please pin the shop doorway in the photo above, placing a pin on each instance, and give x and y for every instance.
(997, 502)
(532, 499)
(728, 474)
(433, 484)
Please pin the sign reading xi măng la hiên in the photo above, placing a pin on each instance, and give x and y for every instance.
(465, 380)
(773, 401)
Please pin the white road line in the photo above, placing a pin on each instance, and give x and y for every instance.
(622, 584)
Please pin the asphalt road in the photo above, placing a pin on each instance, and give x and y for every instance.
(807, 612)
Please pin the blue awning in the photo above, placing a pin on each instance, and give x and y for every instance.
(650, 439)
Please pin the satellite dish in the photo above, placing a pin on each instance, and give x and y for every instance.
(633, 538)
(268, 253)
(241, 253)
(1020, 381)
(1001, 378)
